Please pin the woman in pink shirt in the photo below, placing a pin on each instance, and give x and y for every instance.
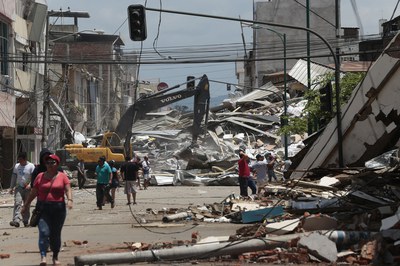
(244, 173)
(50, 188)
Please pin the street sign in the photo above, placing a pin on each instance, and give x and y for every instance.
(162, 86)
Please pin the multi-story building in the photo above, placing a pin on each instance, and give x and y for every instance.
(91, 92)
(269, 41)
(94, 95)
(80, 71)
(21, 81)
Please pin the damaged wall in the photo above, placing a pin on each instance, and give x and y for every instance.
(370, 119)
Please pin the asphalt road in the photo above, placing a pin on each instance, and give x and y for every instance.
(113, 230)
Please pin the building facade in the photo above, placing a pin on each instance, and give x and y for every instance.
(269, 42)
(21, 81)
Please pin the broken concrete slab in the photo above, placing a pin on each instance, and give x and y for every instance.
(319, 222)
(283, 227)
(392, 221)
(319, 246)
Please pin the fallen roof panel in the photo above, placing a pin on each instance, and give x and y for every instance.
(370, 119)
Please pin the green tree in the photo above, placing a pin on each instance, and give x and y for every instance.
(312, 110)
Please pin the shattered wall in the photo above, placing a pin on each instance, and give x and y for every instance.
(370, 119)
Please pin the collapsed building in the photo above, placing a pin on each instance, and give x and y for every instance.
(321, 214)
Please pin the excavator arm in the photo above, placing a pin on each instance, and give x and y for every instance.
(146, 104)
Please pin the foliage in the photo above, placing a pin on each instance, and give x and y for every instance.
(312, 110)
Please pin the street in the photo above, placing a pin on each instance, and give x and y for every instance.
(88, 230)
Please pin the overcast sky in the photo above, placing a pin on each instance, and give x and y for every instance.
(179, 30)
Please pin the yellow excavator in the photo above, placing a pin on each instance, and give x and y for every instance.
(116, 145)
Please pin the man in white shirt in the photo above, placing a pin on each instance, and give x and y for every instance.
(260, 169)
(20, 186)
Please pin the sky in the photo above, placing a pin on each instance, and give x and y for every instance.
(180, 32)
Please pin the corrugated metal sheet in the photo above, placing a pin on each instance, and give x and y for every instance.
(299, 73)
(263, 92)
(153, 124)
(354, 66)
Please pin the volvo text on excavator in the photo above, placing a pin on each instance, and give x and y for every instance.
(116, 145)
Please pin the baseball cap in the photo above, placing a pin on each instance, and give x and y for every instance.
(53, 157)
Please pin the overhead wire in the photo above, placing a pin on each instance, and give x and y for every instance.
(155, 41)
(394, 10)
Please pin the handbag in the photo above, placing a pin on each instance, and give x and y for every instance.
(33, 222)
(36, 213)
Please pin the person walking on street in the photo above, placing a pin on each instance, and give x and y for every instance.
(41, 167)
(81, 173)
(20, 187)
(129, 172)
(244, 173)
(114, 181)
(104, 178)
(51, 187)
(146, 172)
(270, 167)
(260, 169)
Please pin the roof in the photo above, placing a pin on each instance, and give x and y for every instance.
(299, 72)
(354, 66)
(260, 93)
(88, 37)
(68, 14)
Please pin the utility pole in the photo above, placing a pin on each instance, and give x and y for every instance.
(337, 88)
(46, 91)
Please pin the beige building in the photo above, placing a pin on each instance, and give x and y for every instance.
(21, 81)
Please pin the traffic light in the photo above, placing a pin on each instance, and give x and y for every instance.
(325, 97)
(137, 22)
(190, 82)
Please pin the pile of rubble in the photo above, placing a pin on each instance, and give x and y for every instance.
(346, 216)
(212, 160)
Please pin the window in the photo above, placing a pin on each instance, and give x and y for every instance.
(4, 48)
(25, 57)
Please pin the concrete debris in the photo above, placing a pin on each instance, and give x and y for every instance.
(283, 227)
(314, 212)
(333, 216)
(177, 216)
(391, 222)
(319, 222)
(319, 246)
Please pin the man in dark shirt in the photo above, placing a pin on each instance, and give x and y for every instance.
(129, 173)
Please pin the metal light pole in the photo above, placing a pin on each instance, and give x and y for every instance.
(281, 36)
(46, 90)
